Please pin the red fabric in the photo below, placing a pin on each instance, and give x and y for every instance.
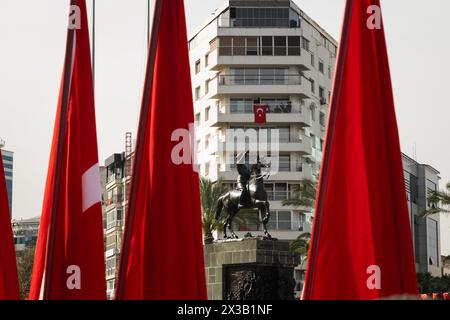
(361, 216)
(165, 256)
(260, 112)
(9, 281)
(78, 232)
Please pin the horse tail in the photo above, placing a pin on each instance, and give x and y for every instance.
(219, 207)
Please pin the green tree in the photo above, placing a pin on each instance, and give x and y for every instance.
(210, 193)
(303, 196)
(439, 202)
(25, 260)
(301, 246)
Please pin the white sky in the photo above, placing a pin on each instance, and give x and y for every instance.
(32, 42)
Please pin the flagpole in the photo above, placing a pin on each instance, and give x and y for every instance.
(62, 129)
(139, 147)
(93, 43)
(337, 87)
(148, 22)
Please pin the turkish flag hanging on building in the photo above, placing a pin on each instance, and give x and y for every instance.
(260, 112)
(361, 245)
(9, 281)
(162, 252)
(69, 260)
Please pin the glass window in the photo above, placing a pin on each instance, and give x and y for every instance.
(251, 76)
(252, 46)
(225, 46)
(280, 191)
(284, 220)
(272, 225)
(267, 46)
(285, 163)
(280, 46)
(239, 46)
(293, 46)
(197, 67)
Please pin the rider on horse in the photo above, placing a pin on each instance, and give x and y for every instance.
(243, 178)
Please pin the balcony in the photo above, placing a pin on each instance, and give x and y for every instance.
(298, 172)
(240, 56)
(261, 84)
(243, 114)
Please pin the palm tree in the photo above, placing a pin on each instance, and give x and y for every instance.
(210, 193)
(301, 245)
(303, 195)
(439, 202)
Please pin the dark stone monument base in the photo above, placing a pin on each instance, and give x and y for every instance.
(250, 269)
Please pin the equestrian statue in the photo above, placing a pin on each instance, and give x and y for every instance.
(249, 194)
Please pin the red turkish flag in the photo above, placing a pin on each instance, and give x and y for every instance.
(260, 111)
(9, 281)
(69, 261)
(361, 245)
(162, 252)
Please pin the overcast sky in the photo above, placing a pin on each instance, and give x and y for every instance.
(32, 42)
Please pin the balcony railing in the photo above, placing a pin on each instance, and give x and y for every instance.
(278, 108)
(259, 80)
(257, 23)
(239, 51)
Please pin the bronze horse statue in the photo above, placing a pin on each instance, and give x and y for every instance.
(255, 199)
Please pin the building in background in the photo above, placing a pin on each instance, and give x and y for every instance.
(8, 163)
(25, 233)
(271, 53)
(116, 182)
(420, 180)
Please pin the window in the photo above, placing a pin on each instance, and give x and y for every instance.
(329, 72)
(197, 119)
(207, 138)
(207, 165)
(207, 60)
(284, 220)
(207, 110)
(322, 119)
(252, 46)
(207, 86)
(305, 44)
(294, 46)
(280, 46)
(321, 67)
(321, 93)
(313, 141)
(322, 145)
(285, 163)
(238, 46)
(313, 86)
(197, 93)
(226, 46)
(280, 191)
(432, 241)
(312, 59)
(313, 108)
(267, 46)
(197, 67)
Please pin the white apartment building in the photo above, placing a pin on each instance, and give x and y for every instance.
(263, 52)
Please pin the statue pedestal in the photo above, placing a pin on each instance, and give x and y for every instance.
(250, 269)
